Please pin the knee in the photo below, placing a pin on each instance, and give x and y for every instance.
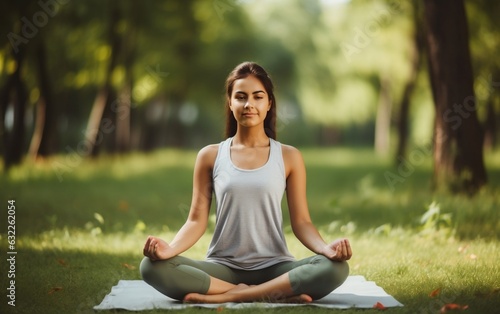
(173, 277)
(324, 277)
(147, 270)
(336, 271)
(332, 271)
(158, 274)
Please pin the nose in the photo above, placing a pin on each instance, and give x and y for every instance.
(248, 104)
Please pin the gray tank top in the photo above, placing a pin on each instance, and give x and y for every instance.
(248, 231)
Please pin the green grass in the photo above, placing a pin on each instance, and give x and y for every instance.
(80, 227)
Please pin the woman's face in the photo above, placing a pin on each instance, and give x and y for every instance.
(249, 102)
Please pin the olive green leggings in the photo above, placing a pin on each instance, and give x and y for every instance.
(315, 276)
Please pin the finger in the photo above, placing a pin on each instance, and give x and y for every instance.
(349, 250)
(154, 256)
(341, 250)
(146, 246)
(152, 246)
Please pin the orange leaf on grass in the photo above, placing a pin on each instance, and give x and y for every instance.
(379, 306)
(55, 289)
(128, 266)
(123, 206)
(62, 262)
(453, 306)
(435, 293)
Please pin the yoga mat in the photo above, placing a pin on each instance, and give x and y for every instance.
(136, 295)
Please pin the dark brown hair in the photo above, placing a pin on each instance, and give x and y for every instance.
(242, 71)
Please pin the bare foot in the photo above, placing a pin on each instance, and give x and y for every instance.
(301, 298)
(233, 296)
(227, 296)
(206, 298)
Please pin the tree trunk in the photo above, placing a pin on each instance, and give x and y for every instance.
(122, 108)
(458, 137)
(383, 120)
(122, 111)
(15, 94)
(94, 135)
(492, 117)
(490, 136)
(44, 139)
(415, 59)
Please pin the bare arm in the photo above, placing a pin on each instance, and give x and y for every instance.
(196, 223)
(300, 218)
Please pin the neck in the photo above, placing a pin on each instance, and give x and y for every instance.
(250, 137)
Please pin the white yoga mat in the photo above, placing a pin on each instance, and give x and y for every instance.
(136, 295)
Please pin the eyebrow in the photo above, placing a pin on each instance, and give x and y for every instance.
(256, 92)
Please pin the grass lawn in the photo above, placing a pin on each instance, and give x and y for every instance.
(80, 227)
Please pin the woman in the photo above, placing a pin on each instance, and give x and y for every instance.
(248, 259)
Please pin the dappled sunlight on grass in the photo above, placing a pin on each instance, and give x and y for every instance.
(114, 243)
(90, 226)
(75, 167)
(342, 157)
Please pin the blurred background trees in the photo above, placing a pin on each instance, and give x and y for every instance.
(97, 77)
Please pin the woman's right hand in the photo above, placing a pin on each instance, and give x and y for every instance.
(157, 249)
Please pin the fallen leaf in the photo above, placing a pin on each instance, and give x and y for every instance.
(62, 262)
(131, 267)
(379, 306)
(55, 289)
(435, 293)
(453, 306)
(123, 206)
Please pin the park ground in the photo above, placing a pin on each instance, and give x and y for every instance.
(80, 225)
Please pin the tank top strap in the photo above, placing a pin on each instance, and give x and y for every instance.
(276, 155)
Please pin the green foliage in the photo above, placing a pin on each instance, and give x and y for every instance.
(326, 57)
(433, 221)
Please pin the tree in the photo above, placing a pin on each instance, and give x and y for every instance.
(43, 141)
(103, 95)
(14, 94)
(458, 137)
(416, 61)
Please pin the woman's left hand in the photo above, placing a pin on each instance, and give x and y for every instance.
(338, 250)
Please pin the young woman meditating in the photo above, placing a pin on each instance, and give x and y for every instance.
(248, 259)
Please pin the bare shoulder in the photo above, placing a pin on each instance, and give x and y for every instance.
(207, 155)
(290, 152)
(211, 149)
(292, 158)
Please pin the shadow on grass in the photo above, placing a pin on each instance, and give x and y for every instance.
(67, 282)
(159, 198)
